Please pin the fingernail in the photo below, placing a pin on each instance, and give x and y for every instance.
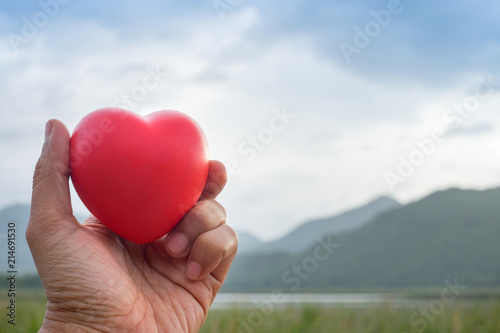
(193, 270)
(178, 243)
(48, 129)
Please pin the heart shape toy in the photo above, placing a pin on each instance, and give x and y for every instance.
(138, 175)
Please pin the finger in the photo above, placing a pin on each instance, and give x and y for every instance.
(50, 200)
(204, 216)
(216, 180)
(211, 249)
(220, 273)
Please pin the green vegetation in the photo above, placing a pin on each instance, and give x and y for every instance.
(482, 318)
(30, 309)
(447, 235)
(478, 315)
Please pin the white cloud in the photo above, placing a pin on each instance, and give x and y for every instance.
(347, 132)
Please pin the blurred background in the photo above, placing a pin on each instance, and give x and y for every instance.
(373, 122)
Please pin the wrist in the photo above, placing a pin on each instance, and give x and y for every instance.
(59, 323)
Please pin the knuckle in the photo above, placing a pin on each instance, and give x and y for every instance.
(209, 213)
(33, 234)
(232, 245)
(216, 208)
(29, 234)
(223, 241)
(221, 174)
(221, 209)
(201, 207)
(212, 188)
(216, 181)
(204, 245)
(200, 215)
(232, 233)
(41, 171)
(44, 168)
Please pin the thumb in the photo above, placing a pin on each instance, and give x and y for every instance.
(50, 201)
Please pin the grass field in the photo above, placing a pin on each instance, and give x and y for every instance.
(481, 316)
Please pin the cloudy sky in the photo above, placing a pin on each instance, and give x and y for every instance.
(373, 97)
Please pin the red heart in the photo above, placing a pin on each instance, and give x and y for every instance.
(138, 175)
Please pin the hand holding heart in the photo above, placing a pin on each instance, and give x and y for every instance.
(97, 281)
(138, 175)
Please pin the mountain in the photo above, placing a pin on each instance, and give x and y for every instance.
(294, 242)
(307, 234)
(20, 214)
(452, 234)
(248, 243)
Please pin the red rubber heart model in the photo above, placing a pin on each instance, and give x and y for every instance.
(138, 175)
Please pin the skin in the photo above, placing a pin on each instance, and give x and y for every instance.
(96, 281)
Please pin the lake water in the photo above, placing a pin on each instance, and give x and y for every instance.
(236, 300)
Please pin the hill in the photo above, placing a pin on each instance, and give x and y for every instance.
(447, 235)
(20, 214)
(248, 243)
(307, 234)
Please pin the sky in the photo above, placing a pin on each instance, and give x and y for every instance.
(315, 107)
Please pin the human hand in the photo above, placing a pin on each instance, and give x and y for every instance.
(97, 281)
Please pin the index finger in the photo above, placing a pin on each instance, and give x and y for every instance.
(216, 180)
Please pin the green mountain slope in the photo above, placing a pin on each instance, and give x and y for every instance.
(447, 235)
(306, 234)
